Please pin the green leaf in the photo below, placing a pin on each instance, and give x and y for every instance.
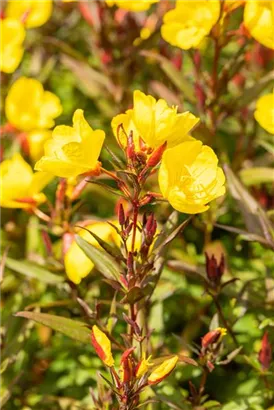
(257, 175)
(33, 271)
(72, 328)
(252, 93)
(103, 262)
(175, 76)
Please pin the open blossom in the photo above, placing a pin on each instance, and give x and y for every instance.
(189, 177)
(34, 13)
(162, 371)
(102, 345)
(154, 121)
(133, 5)
(29, 107)
(20, 187)
(190, 22)
(259, 20)
(72, 150)
(264, 113)
(77, 264)
(12, 38)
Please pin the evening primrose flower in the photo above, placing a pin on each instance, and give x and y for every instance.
(20, 187)
(77, 264)
(189, 177)
(162, 371)
(133, 5)
(190, 22)
(102, 345)
(264, 113)
(72, 150)
(12, 38)
(36, 140)
(29, 107)
(34, 13)
(154, 121)
(259, 20)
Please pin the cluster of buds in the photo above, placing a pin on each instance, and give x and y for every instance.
(133, 375)
(214, 270)
(211, 346)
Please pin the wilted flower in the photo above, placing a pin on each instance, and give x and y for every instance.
(264, 113)
(265, 354)
(34, 13)
(77, 264)
(12, 38)
(189, 177)
(133, 5)
(190, 22)
(102, 345)
(20, 187)
(72, 150)
(155, 122)
(259, 20)
(28, 107)
(162, 371)
(143, 367)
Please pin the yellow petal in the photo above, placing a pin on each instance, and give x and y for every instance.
(259, 20)
(163, 370)
(264, 113)
(36, 12)
(36, 141)
(12, 38)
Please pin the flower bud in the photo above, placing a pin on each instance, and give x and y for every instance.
(163, 370)
(142, 367)
(130, 150)
(214, 270)
(121, 214)
(126, 365)
(156, 156)
(265, 354)
(102, 345)
(213, 337)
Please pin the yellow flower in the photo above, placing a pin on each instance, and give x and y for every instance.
(133, 5)
(190, 22)
(36, 140)
(264, 113)
(189, 177)
(155, 122)
(77, 264)
(162, 371)
(28, 107)
(259, 20)
(21, 188)
(12, 38)
(143, 367)
(102, 345)
(34, 13)
(72, 150)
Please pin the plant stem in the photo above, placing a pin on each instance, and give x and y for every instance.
(225, 322)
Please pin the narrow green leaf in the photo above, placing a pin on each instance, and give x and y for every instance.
(32, 270)
(257, 175)
(72, 328)
(103, 262)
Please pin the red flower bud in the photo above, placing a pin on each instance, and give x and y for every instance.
(214, 270)
(121, 214)
(212, 337)
(265, 354)
(126, 365)
(156, 156)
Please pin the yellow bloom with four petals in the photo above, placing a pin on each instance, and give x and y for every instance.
(77, 264)
(190, 22)
(155, 122)
(12, 38)
(264, 113)
(133, 5)
(259, 20)
(72, 150)
(20, 187)
(29, 107)
(34, 13)
(189, 177)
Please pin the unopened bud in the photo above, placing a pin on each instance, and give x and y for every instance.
(102, 345)
(142, 367)
(130, 150)
(121, 215)
(156, 156)
(265, 354)
(213, 337)
(150, 228)
(126, 365)
(214, 270)
(163, 370)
